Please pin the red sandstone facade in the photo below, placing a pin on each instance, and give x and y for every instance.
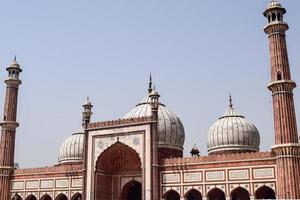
(126, 159)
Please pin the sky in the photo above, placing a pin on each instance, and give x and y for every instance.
(197, 51)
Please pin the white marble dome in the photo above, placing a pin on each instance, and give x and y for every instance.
(71, 149)
(232, 133)
(170, 128)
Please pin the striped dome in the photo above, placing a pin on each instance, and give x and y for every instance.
(71, 149)
(232, 133)
(170, 128)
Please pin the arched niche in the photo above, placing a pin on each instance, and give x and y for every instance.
(265, 192)
(216, 194)
(31, 197)
(132, 191)
(171, 195)
(239, 193)
(46, 197)
(193, 194)
(61, 197)
(120, 159)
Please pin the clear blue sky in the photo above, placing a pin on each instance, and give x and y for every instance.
(197, 51)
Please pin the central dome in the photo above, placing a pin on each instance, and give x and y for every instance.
(232, 133)
(170, 128)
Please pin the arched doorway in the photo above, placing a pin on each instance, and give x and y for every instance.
(240, 193)
(46, 197)
(61, 197)
(77, 196)
(31, 197)
(265, 192)
(216, 194)
(193, 195)
(171, 195)
(132, 191)
(118, 159)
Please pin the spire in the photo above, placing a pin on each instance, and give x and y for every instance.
(15, 58)
(87, 103)
(150, 84)
(230, 101)
(230, 111)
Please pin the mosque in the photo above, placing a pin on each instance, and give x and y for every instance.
(139, 157)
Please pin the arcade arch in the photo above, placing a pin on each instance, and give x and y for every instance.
(216, 194)
(171, 195)
(31, 197)
(77, 196)
(61, 197)
(193, 194)
(46, 197)
(265, 192)
(240, 193)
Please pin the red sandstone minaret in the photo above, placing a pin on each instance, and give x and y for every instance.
(287, 147)
(9, 125)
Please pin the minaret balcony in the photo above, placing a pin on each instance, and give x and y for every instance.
(281, 86)
(276, 27)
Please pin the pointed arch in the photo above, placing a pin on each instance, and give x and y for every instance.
(77, 196)
(61, 196)
(239, 193)
(193, 194)
(171, 195)
(216, 194)
(31, 197)
(46, 197)
(117, 158)
(265, 192)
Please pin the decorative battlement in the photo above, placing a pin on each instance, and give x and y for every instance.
(50, 169)
(219, 158)
(119, 122)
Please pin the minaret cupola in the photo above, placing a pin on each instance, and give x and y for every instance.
(274, 12)
(14, 70)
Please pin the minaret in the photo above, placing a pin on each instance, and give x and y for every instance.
(9, 125)
(86, 118)
(286, 148)
(87, 112)
(154, 96)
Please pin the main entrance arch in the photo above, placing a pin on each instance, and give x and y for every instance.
(116, 162)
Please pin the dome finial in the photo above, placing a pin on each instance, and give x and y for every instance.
(150, 84)
(15, 58)
(230, 101)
